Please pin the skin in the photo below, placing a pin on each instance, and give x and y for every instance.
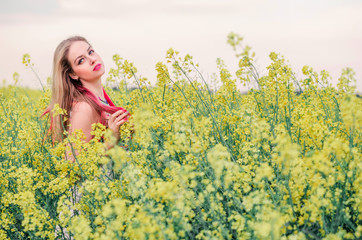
(83, 59)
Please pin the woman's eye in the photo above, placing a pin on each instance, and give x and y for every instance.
(91, 51)
(80, 60)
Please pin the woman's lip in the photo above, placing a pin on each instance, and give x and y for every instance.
(97, 67)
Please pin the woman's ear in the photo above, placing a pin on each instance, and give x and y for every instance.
(73, 76)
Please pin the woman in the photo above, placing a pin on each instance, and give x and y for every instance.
(77, 88)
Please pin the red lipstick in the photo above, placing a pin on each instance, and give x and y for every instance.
(97, 67)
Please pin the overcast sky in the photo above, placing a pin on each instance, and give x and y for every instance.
(324, 34)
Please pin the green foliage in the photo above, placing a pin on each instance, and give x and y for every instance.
(281, 162)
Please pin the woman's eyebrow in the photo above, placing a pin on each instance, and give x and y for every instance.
(82, 54)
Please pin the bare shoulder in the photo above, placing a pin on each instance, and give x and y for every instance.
(82, 107)
(84, 111)
(82, 117)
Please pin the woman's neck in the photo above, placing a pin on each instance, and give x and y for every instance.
(95, 88)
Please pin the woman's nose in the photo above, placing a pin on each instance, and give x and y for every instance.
(92, 60)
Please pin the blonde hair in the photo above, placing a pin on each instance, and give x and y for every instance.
(66, 91)
(62, 87)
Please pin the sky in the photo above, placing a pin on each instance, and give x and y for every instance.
(323, 34)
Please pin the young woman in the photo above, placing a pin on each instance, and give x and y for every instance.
(77, 88)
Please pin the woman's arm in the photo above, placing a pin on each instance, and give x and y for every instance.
(83, 116)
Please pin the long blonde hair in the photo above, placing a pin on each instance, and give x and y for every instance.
(66, 91)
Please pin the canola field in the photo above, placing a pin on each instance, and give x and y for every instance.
(280, 162)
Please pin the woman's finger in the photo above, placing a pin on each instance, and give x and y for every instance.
(114, 115)
(121, 116)
(120, 122)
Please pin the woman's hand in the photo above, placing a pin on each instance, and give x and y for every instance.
(116, 120)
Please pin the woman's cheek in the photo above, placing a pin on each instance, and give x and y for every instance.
(81, 72)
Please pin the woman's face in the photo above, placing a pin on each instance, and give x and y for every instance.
(85, 62)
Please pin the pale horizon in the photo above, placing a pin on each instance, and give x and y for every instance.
(321, 34)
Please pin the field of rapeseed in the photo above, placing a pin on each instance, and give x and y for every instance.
(280, 162)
